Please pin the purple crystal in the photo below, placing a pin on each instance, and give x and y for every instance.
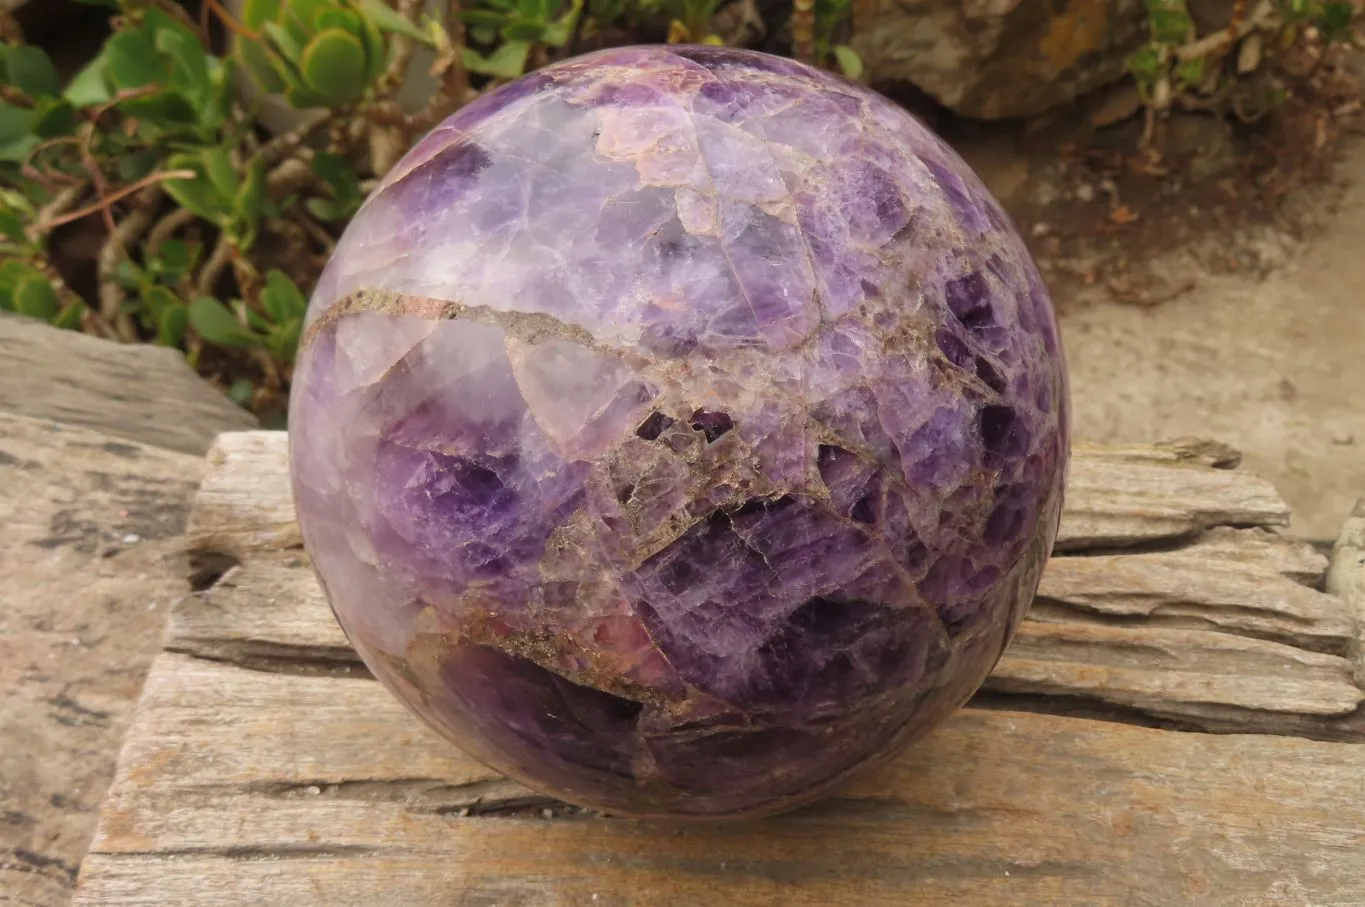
(680, 430)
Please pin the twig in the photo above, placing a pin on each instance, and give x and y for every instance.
(284, 144)
(15, 96)
(167, 227)
(1220, 39)
(402, 47)
(454, 91)
(149, 180)
(291, 174)
(11, 31)
(213, 268)
(62, 201)
(862, 13)
(115, 249)
(315, 231)
(176, 11)
(229, 22)
(803, 30)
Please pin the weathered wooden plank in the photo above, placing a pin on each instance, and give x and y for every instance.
(1221, 635)
(276, 788)
(1116, 497)
(136, 392)
(1346, 578)
(91, 559)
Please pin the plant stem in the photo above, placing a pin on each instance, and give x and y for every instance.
(1220, 39)
(213, 268)
(803, 30)
(402, 48)
(167, 227)
(284, 144)
(41, 227)
(115, 249)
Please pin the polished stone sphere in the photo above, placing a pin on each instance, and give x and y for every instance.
(680, 430)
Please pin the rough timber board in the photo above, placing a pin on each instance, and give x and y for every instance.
(1222, 631)
(91, 558)
(266, 764)
(136, 392)
(285, 789)
(1115, 496)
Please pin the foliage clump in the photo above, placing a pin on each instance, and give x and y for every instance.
(210, 227)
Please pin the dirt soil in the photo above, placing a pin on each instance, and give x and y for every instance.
(1223, 297)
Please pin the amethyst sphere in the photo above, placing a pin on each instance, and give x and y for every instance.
(680, 431)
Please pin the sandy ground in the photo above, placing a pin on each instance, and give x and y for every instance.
(1274, 366)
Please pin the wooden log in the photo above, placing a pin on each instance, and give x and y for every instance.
(92, 558)
(266, 763)
(136, 392)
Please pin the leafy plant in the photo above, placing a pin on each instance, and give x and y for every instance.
(1178, 67)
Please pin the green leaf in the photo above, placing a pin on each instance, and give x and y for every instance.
(241, 392)
(198, 194)
(12, 225)
(247, 203)
(35, 297)
(16, 133)
(307, 14)
(87, 87)
(1191, 72)
(165, 109)
(527, 30)
(129, 274)
(343, 19)
(168, 313)
(53, 117)
(333, 65)
(558, 33)
(261, 65)
(849, 62)
(391, 20)
(137, 164)
(217, 325)
(507, 62)
(287, 45)
(171, 324)
(1145, 64)
(12, 273)
(477, 18)
(376, 50)
(222, 174)
(29, 69)
(69, 319)
(176, 260)
(190, 70)
(255, 13)
(283, 340)
(281, 298)
(1335, 20)
(156, 300)
(132, 61)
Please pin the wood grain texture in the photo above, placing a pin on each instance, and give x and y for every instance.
(91, 558)
(1220, 630)
(265, 762)
(267, 788)
(1116, 497)
(1346, 578)
(136, 392)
